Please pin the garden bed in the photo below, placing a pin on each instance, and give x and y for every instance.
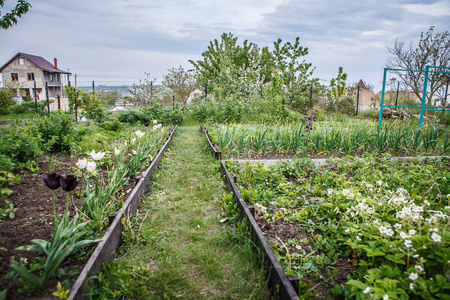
(343, 228)
(34, 220)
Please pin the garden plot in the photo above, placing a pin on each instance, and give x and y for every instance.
(358, 227)
(98, 188)
(322, 139)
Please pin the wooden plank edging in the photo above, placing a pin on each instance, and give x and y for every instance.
(216, 153)
(277, 278)
(108, 245)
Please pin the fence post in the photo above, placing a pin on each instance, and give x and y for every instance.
(35, 98)
(357, 101)
(46, 95)
(310, 96)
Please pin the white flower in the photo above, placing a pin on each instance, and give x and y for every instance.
(81, 163)
(358, 238)
(434, 230)
(347, 230)
(155, 121)
(382, 229)
(125, 143)
(330, 191)
(345, 192)
(408, 243)
(413, 276)
(379, 182)
(133, 140)
(426, 203)
(116, 151)
(139, 133)
(367, 290)
(418, 268)
(436, 237)
(403, 235)
(389, 232)
(91, 166)
(386, 297)
(411, 286)
(375, 222)
(398, 226)
(416, 255)
(412, 232)
(133, 152)
(98, 155)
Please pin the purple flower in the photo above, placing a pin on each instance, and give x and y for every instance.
(52, 181)
(68, 182)
(146, 124)
(303, 121)
(306, 109)
(309, 118)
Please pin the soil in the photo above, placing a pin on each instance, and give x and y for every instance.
(34, 220)
(282, 230)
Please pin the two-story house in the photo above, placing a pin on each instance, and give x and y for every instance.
(29, 73)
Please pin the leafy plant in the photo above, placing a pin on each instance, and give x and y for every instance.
(56, 132)
(66, 240)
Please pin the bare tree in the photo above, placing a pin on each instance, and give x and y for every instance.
(432, 50)
(181, 82)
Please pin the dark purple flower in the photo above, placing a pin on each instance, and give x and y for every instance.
(52, 181)
(306, 109)
(68, 182)
(303, 121)
(313, 113)
(146, 124)
(309, 118)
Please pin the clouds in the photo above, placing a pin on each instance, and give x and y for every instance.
(127, 38)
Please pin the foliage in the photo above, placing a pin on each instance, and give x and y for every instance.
(7, 178)
(56, 132)
(181, 82)
(66, 240)
(432, 50)
(10, 18)
(338, 89)
(145, 93)
(6, 102)
(387, 217)
(19, 148)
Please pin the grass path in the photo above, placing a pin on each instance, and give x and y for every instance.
(181, 250)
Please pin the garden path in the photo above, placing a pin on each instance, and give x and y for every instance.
(182, 249)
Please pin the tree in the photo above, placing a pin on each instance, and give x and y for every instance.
(181, 82)
(432, 50)
(10, 19)
(144, 94)
(338, 88)
(6, 102)
(294, 74)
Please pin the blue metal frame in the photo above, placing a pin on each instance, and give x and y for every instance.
(424, 94)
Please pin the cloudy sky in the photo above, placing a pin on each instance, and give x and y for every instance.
(117, 42)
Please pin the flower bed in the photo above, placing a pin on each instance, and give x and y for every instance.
(365, 228)
(106, 178)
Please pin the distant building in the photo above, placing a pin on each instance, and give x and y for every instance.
(365, 96)
(29, 73)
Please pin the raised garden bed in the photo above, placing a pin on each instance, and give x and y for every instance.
(213, 148)
(344, 228)
(34, 214)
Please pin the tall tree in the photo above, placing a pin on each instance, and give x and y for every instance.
(181, 82)
(432, 50)
(294, 73)
(10, 19)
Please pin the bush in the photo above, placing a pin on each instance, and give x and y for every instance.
(18, 148)
(130, 117)
(56, 132)
(111, 124)
(6, 102)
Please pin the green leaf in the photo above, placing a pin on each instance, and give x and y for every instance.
(357, 283)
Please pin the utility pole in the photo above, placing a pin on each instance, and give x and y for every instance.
(35, 98)
(357, 101)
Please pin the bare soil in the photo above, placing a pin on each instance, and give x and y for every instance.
(282, 230)
(34, 220)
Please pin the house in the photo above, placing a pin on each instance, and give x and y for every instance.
(365, 95)
(29, 74)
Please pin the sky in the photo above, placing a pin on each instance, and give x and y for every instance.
(116, 42)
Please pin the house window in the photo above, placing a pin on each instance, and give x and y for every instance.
(15, 76)
(21, 61)
(30, 76)
(51, 76)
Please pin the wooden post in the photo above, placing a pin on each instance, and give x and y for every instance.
(76, 107)
(93, 87)
(206, 90)
(357, 102)
(310, 96)
(396, 96)
(59, 102)
(35, 98)
(46, 95)
(173, 101)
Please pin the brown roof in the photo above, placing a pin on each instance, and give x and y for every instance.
(40, 62)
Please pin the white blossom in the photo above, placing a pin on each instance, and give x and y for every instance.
(413, 276)
(91, 166)
(81, 163)
(367, 290)
(436, 237)
(98, 155)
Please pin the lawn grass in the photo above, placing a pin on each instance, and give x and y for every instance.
(181, 249)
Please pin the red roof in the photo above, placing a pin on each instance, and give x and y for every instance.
(40, 62)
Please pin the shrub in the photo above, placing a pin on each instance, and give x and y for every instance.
(111, 124)
(56, 132)
(129, 116)
(6, 102)
(18, 148)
